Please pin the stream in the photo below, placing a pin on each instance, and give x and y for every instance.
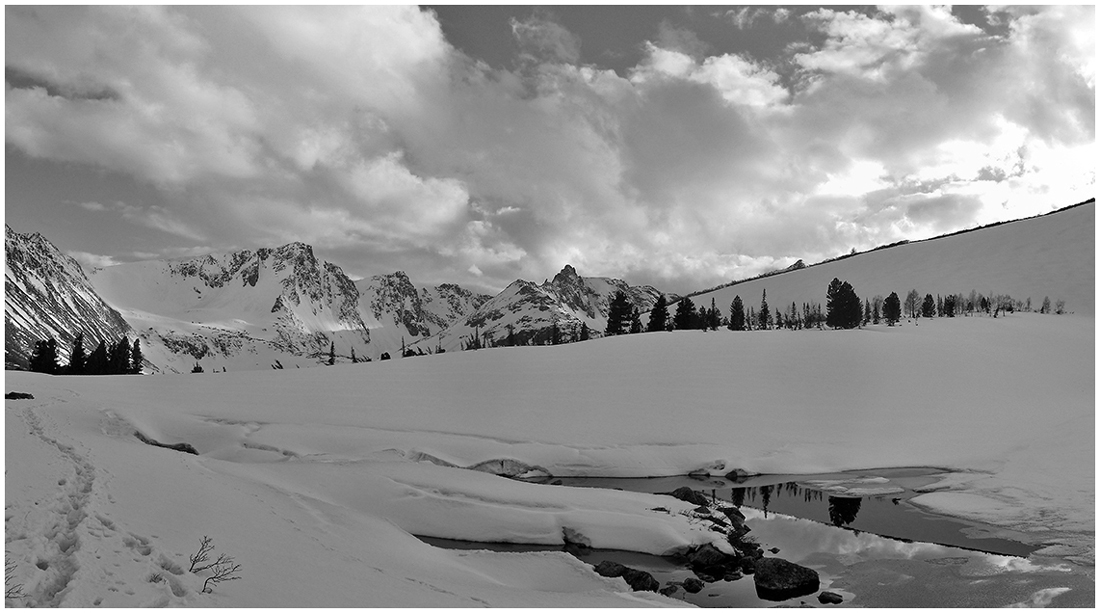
(865, 540)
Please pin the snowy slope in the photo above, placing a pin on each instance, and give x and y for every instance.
(314, 478)
(47, 295)
(530, 310)
(1049, 256)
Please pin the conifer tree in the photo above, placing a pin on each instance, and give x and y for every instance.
(891, 309)
(658, 317)
(912, 299)
(765, 313)
(876, 310)
(618, 315)
(737, 314)
(510, 340)
(77, 357)
(119, 359)
(713, 316)
(354, 360)
(332, 351)
(842, 306)
(555, 333)
(928, 307)
(685, 314)
(866, 311)
(97, 360)
(136, 358)
(584, 331)
(44, 358)
(635, 321)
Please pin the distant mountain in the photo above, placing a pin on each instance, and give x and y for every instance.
(280, 307)
(398, 311)
(47, 295)
(531, 310)
(1051, 255)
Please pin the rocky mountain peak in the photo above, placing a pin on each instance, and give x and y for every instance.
(567, 276)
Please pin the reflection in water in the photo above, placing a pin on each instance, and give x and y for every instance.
(842, 510)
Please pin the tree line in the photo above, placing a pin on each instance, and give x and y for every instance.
(119, 358)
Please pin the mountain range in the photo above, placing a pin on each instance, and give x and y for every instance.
(284, 307)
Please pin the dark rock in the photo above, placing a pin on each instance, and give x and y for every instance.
(735, 514)
(693, 585)
(668, 590)
(18, 396)
(748, 565)
(705, 510)
(732, 575)
(659, 509)
(708, 555)
(556, 482)
(778, 579)
(738, 475)
(639, 580)
(183, 447)
(830, 598)
(774, 550)
(689, 495)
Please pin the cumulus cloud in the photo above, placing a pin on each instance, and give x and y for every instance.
(363, 131)
(92, 260)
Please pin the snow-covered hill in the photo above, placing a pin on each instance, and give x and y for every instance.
(47, 295)
(1048, 256)
(315, 479)
(530, 310)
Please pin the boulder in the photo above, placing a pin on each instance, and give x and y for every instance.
(693, 585)
(18, 396)
(689, 495)
(669, 590)
(778, 579)
(708, 555)
(830, 598)
(638, 580)
(735, 514)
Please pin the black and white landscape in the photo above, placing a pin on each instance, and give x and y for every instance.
(569, 307)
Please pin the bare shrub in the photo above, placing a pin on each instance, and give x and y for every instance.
(225, 569)
(206, 545)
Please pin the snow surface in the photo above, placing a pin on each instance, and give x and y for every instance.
(315, 479)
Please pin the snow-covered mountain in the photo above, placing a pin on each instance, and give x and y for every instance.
(47, 295)
(531, 310)
(1047, 256)
(398, 311)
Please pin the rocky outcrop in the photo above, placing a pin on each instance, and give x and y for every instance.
(689, 495)
(830, 598)
(778, 579)
(638, 580)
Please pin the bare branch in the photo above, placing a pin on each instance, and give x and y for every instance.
(11, 591)
(224, 570)
(206, 545)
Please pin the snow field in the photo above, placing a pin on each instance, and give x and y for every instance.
(313, 474)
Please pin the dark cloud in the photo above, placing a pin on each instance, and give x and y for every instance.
(18, 78)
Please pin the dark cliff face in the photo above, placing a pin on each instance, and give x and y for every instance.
(47, 294)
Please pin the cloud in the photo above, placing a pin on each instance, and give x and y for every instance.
(93, 260)
(543, 39)
(363, 131)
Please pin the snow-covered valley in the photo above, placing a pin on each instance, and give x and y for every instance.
(315, 480)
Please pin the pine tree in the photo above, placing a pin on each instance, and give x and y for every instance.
(555, 333)
(876, 310)
(713, 317)
(685, 314)
(866, 311)
(891, 309)
(584, 331)
(635, 321)
(97, 360)
(137, 360)
(765, 313)
(77, 357)
(332, 351)
(658, 316)
(842, 306)
(928, 307)
(737, 314)
(354, 360)
(119, 359)
(44, 358)
(618, 315)
(510, 340)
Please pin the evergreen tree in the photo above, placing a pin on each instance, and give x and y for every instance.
(700, 320)
(137, 360)
(97, 360)
(44, 358)
(876, 310)
(842, 306)
(354, 360)
(510, 340)
(77, 358)
(765, 313)
(928, 307)
(866, 312)
(618, 315)
(555, 333)
(332, 351)
(778, 320)
(584, 331)
(714, 317)
(119, 359)
(891, 309)
(750, 319)
(658, 316)
(198, 367)
(737, 314)
(685, 314)
(635, 321)
(950, 305)
(939, 305)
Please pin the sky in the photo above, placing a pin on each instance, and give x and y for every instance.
(676, 146)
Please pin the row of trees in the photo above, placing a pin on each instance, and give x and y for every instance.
(119, 358)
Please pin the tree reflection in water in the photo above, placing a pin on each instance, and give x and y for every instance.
(843, 511)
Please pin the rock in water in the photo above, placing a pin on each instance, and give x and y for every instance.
(688, 495)
(639, 580)
(693, 585)
(830, 598)
(778, 579)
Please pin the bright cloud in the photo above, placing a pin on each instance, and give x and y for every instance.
(363, 131)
